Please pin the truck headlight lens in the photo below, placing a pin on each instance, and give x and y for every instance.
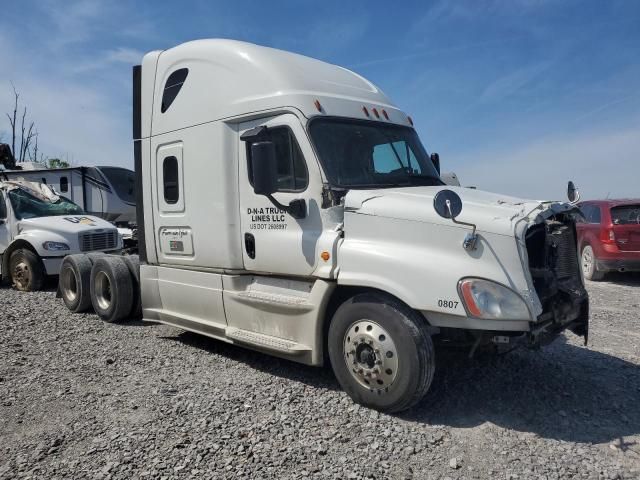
(490, 300)
(55, 246)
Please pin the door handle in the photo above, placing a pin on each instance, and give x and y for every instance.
(250, 245)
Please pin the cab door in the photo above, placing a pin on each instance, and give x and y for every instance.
(273, 240)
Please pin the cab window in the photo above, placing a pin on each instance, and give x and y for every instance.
(292, 169)
(391, 156)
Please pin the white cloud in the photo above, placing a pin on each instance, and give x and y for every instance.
(124, 55)
(513, 81)
(600, 163)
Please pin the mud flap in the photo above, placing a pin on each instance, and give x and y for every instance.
(581, 325)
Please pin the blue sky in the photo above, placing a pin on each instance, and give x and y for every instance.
(517, 96)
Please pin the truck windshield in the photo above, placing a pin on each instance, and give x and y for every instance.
(25, 205)
(364, 154)
(123, 182)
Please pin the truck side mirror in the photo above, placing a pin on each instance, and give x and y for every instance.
(572, 193)
(435, 159)
(264, 168)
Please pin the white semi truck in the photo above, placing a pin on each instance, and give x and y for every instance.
(286, 205)
(38, 227)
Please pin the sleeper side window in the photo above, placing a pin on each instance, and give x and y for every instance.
(292, 169)
(64, 184)
(170, 179)
(172, 87)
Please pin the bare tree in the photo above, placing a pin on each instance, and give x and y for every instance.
(25, 140)
(33, 153)
(12, 120)
(28, 133)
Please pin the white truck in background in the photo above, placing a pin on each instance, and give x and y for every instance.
(286, 205)
(38, 228)
(105, 192)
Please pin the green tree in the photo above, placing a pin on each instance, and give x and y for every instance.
(57, 163)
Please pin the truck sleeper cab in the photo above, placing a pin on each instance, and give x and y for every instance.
(288, 206)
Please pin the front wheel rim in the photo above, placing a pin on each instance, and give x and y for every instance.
(370, 355)
(103, 290)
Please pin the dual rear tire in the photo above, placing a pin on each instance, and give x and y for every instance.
(108, 283)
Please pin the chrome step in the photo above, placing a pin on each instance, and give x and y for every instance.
(266, 341)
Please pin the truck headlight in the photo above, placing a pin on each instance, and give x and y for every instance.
(55, 246)
(490, 300)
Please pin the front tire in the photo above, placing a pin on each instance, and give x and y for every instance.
(27, 271)
(381, 352)
(111, 288)
(590, 265)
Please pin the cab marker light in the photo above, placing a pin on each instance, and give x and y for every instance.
(366, 112)
(410, 120)
(318, 106)
(384, 112)
(375, 112)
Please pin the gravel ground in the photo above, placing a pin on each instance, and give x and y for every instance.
(83, 399)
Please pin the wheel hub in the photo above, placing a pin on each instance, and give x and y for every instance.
(371, 356)
(69, 285)
(21, 275)
(103, 290)
(365, 355)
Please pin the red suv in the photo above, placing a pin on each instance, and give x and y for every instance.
(609, 237)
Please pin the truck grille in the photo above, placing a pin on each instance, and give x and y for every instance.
(553, 260)
(107, 240)
(566, 253)
(555, 271)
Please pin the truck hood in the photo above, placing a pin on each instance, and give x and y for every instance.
(490, 212)
(65, 224)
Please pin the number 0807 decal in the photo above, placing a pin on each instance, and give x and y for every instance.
(448, 303)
